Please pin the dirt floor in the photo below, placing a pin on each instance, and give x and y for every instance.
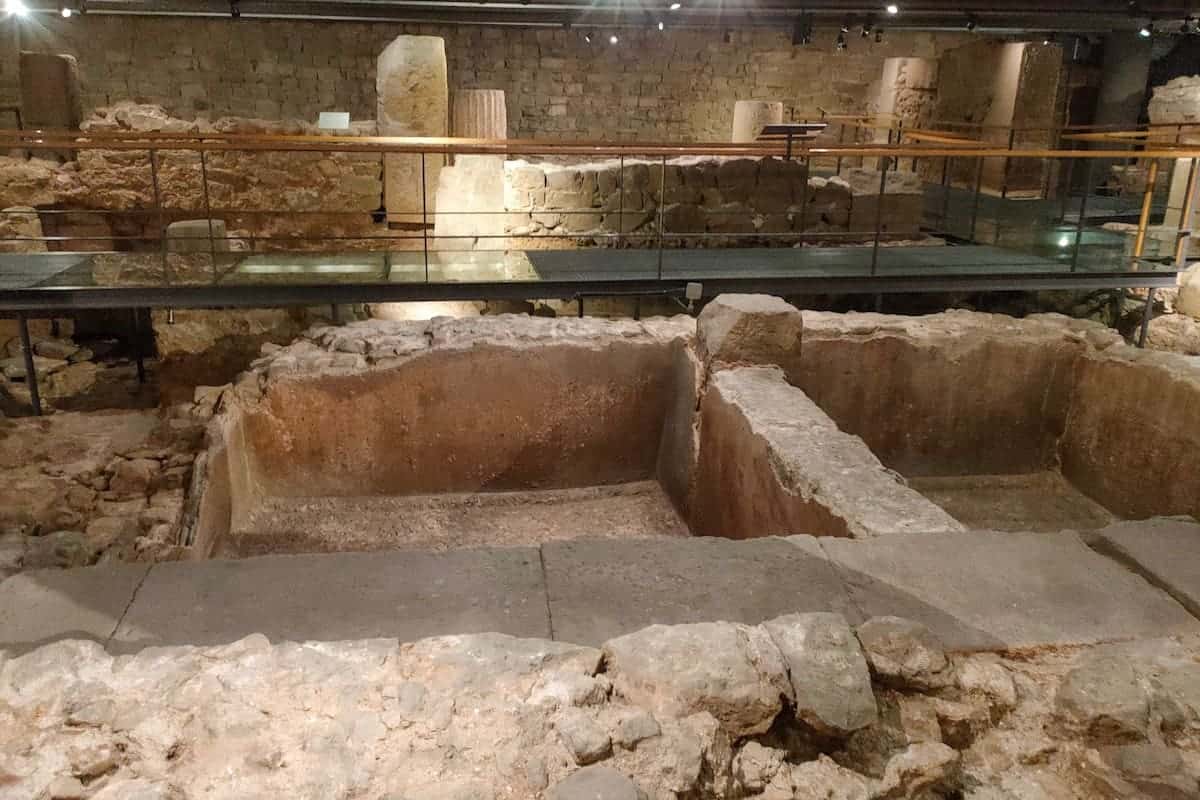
(1039, 501)
(448, 521)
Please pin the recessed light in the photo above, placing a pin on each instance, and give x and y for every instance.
(676, 6)
(892, 8)
(613, 39)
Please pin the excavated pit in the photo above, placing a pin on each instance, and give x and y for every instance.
(515, 431)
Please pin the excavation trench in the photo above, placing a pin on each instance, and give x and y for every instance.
(616, 429)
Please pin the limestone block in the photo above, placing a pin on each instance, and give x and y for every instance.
(684, 218)
(21, 223)
(749, 329)
(731, 218)
(50, 91)
(413, 100)
(192, 236)
(1188, 301)
(480, 114)
(471, 203)
(749, 117)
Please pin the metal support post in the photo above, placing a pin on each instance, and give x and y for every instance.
(662, 201)
(35, 397)
(1139, 242)
(424, 219)
(883, 168)
(138, 357)
(975, 204)
(803, 201)
(1087, 182)
(620, 209)
(158, 215)
(1012, 134)
(1147, 315)
(212, 244)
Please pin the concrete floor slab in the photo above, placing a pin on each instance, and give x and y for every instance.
(1165, 551)
(1038, 501)
(403, 595)
(45, 606)
(990, 590)
(599, 589)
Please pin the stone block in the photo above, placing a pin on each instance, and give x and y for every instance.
(412, 100)
(749, 117)
(749, 329)
(50, 96)
(192, 236)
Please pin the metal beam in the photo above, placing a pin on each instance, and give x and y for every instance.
(49, 299)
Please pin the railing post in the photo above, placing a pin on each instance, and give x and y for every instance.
(975, 203)
(1139, 242)
(212, 244)
(620, 209)
(945, 192)
(884, 162)
(137, 346)
(424, 219)
(35, 396)
(1012, 134)
(841, 140)
(158, 214)
(803, 200)
(662, 201)
(1147, 315)
(1087, 182)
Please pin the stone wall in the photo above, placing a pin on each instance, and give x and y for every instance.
(735, 196)
(681, 84)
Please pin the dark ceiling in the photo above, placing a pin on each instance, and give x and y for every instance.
(998, 16)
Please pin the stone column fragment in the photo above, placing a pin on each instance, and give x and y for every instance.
(413, 100)
(749, 117)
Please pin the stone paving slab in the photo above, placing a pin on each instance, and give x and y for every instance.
(601, 588)
(987, 590)
(45, 606)
(1165, 551)
(401, 595)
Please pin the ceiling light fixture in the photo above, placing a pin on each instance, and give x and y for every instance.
(661, 26)
(66, 12)
(613, 39)
(16, 8)
(841, 41)
(676, 6)
(892, 8)
(587, 37)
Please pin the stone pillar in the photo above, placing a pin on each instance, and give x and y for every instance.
(480, 114)
(749, 117)
(907, 90)
(50, 91)
(413, 100)
(474, 187)
(1178, 101)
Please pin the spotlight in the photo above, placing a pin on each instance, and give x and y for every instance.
(1147, 30)
(1050, 38)
(587, 37)
(676, 6)
(1190, 25)
(972, 24)
(16, 8)
(613, 39)
(660, 25)
(878, 35)
(892, 8)
(235, 10)
(66, 12)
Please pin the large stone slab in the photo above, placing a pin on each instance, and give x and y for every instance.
(599, 589)
(46, 606)
(987, 590)
(1164, 551)
(406, 596)
(413, 100)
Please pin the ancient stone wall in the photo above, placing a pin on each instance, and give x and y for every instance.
(681, 84)
(738, 197)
